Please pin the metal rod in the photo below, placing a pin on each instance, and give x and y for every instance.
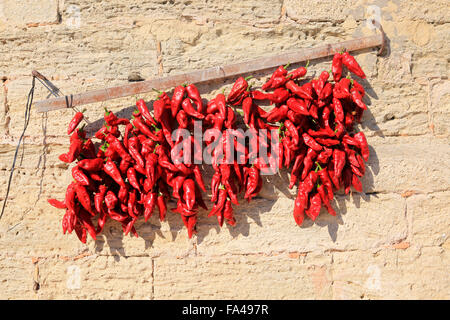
(215, 73)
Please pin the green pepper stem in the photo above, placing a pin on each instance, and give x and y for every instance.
(248, 78)
(318, 166)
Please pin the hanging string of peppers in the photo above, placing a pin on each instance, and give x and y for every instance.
(137, 168)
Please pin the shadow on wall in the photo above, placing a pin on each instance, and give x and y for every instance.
(113, 235)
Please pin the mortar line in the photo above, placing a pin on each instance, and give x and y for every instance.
(159, 58)
(6, 107)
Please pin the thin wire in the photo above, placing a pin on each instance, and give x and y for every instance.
(27, 120)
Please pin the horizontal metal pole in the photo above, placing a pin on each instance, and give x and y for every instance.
(215, 73)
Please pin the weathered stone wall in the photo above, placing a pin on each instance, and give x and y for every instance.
(392, 241)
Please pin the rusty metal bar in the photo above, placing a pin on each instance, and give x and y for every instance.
(219, 72)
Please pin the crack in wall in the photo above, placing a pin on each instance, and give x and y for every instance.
(5, 114)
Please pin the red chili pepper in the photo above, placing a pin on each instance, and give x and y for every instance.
(299, 206)
(347, 179)
(111, 169)
(360, 138)
(159, 107)
(161, 204)
(142, 127)
(69, 199)
(298, 106)
(339, 162)
(230, 118)
(297, 73)
(163, 159)
(81, 232)
(149, 204)
(191, 223)
(326, 91)
(122, 195)
(341, 89)
(326, 180)
(328, 142)
(252, 183)
(132, 178)
(124, 165)
(229, 185)
(277, 114)
(338, 109)
(286, 141)
(109, 152)
(279, 81)
(57, 204)
(279, 95)
(211, 106)
(143, 110)
(313, 111)
(239, 87)
(111, 200)
(110, 117)
(194, 94)
(247, 105)
(167, 128)
(295, 170)
(336, 67)
(79, 176)
(258, 95)
(215, 183)
(199, 178)
(91, 164)
(83, 197)
(183, 210)
(292, 131)
(315, 203)
(99, 198)
(353, 66)
(357, 99)
(220, 203)
(190, 110)
(189, 193)
(280, 71)
(182, 119)
(356, 183)
(310, 142)
(75, 122)
(86, 221)
(118, 147)
(228, 213)
(101, 133)
(358, 87)
(308, 162)
(76, 143)
(177, 98)
(325, 155)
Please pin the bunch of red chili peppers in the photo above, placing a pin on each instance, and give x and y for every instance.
(315, 121)
(133, 170)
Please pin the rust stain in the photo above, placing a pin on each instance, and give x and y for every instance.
(296, 255)
(408, 193)
(401, 245)
(80, 256)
